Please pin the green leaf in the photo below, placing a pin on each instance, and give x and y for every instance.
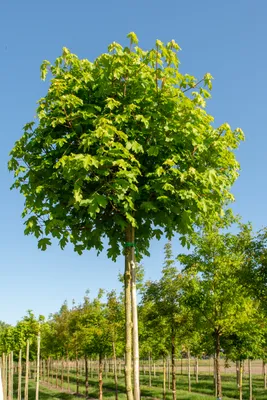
(43, 243)
(133, 38)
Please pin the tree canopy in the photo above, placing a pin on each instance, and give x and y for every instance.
(123, 140)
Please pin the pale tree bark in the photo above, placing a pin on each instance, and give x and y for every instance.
(86, 376)
(237, 373)
(164, 379)
(100, 377)
(10, 381)
(149, 370)
(264, 374)
(189, 372)
(136, 378)
(196, 369)
(77, 374)
(215, 376)
(68, 372)
(26, 388)
(217, 366)
(169, 374)
(19, 375)
(250, 380)
(173, 366)
(115, 369)
(62, 374)
(4, 377)
(57, 373)
(128, 316)
(38, 367)
(240, 380)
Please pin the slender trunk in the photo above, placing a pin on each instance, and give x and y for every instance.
(189, 372)
(106, 367)
(10, 382)
(100, 375)
(241, 381)
(4, 378)
(264, 373)
(68, 372)
(164, 379)
(149, 370)
(196, 366)
(86, 376)
(173, 367)
(57, 373)
(51, 371)
(19, 376)
(237, 373)
(128, 316)
(215, 376)
(77, 374)
(26, 390)
(38, 367)
(91, 368)
(217, 364)
(250, 379)
(62, 374)
(154, 369)
(136, 378)
(115, 370)
(48, 370)
(169, 374)
(181, 364)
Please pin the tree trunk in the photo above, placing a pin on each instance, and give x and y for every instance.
(196, 372)
(86, 376)
(264, 374)
(173, 367)
(189, 372)
(169, 374)
(100, 375)
(10, 380)
(68, 372)
(38, 367)
(128, 315)
(214, 375)
(217, 365)
(62, 373)
(240, 380)
(250, 380)
(164, 379)
(19, 376)
(149, 370)
(237, 373)
(4, 377)
(115, 370)
(26, 390)
(136, 379)
(57, 373)
(181, 364)
(77, 374)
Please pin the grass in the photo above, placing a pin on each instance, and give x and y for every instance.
(203, 390)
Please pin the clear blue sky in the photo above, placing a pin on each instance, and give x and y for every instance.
(226, 38)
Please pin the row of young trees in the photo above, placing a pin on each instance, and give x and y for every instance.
(213, 304)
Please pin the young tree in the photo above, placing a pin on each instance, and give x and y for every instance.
(124, 149)
(165, 298)
(215, 291)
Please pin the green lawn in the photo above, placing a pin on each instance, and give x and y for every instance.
(203, 390)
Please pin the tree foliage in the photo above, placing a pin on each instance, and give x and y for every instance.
(124, 140)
